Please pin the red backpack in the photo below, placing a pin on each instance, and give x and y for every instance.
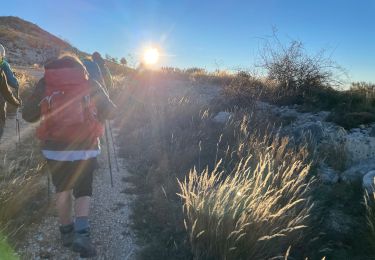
(68, 113)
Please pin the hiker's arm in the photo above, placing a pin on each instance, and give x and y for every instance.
(31, 109)
(5, 91)
(11, 79)
(108, 78)
(106, 108)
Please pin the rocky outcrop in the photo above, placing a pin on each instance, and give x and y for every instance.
(327, 174)
(358, 170)
(28, 44)
(222, 117)
(351, 151)
(368, 181)
(345, 155)
(360, 146)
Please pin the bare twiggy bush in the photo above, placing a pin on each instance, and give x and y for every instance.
(295, 70)
(365, 91)
(254, 212)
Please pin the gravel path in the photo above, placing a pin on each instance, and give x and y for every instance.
(111, 207)
(110, 223)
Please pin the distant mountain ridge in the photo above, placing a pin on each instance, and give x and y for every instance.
(27, 44)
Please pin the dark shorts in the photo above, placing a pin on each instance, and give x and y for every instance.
(76, 176)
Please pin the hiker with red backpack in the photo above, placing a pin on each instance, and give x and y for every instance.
(7, 79)
(72, 109)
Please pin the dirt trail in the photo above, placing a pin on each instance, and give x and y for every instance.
(9, 138)
(111, 207)
(110, 222)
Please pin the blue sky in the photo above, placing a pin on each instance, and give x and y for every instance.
(210, 34)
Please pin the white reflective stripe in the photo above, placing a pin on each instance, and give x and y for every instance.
(70, 155)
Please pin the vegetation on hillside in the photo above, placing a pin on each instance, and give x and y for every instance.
(164, 137)
(23, 192)
(207, 190)
(6, 252)
(28, 44)
(170, 140)
(257, 211)
(314, 82)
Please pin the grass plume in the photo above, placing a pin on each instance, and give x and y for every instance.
(238, 215)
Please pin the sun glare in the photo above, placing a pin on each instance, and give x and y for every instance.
(151, 56)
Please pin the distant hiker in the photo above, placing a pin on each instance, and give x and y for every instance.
(94, 71)
(71, 108)
(98, 71)
(7, 78)
(106, 74)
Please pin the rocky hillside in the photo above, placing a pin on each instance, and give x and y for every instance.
(27, 43)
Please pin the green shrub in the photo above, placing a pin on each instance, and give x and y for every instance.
(6, 252)
(243, 90)
(352, 120)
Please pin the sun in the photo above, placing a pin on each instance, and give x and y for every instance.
(151, 56)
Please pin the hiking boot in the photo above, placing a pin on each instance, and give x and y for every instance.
(67, 234)
(82, 244)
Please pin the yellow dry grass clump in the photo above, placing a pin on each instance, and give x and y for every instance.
(369, 201)
(23, 192)
(254, 212)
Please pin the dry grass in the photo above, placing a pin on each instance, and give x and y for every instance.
(21, 187)
(251, 212)
(370, 217)
(233, 211)
(23, 192)
(163, 137)
(197, 76)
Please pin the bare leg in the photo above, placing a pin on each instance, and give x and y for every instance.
(82, 206)
(64, 207)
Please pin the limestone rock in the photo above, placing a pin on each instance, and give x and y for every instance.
(327, 175)
(368, 182)
(359, 147)
(354, 149)
(372, 131)
(222, 117)
(358, 171)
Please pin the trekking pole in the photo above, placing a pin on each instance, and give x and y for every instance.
(108, 154)
(18, 129)
(113, 145)
(48, 187)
